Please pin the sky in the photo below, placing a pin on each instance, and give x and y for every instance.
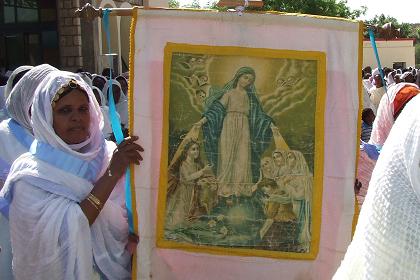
(403, 10)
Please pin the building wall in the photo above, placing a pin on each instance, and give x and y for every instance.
(390, 52)
(120, 34)
(70, 39)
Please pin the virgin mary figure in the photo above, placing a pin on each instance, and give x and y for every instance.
(236, 133)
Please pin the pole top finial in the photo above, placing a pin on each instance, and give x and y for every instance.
(89, 12)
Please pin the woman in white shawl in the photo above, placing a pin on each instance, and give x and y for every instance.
(15, 139)
(388, 110)
(17, 130)
(107, 129)
(16, 75)
(13, 79)
(121, 102)
(386, 243)
(66, 202)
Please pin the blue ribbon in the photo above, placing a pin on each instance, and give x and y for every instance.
(116, 124)
(375, 50)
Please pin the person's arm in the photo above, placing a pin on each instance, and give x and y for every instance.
(126, 153)
(195, 175)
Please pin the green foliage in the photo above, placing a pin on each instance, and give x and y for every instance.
(173, 4)
(195, 4)
(406, 29)
(315, 7)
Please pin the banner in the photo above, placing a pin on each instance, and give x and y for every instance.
(250, 129)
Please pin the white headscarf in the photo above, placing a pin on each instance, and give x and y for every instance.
(42, 116)
(384, 119)
(85, 78)
(106, 87)
(95, 76)
(390, 79)
(20, 99)
(9, 85)
(101, 95)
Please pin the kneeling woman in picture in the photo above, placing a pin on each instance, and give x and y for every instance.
(66, 196)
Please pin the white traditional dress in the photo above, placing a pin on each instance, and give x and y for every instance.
(386, 243)
(51, 236)
(15, 139)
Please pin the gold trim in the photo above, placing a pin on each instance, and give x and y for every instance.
(359, 119)
(320, 57)
(130, 128)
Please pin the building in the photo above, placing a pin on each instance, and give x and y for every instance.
(393, 53)
(47, 31)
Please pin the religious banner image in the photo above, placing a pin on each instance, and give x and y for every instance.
(242, 155)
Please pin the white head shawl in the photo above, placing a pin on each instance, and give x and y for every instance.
(96, 76)
(126, 81)
(390, 79)
(374, 72)
(9, 85)
(105, 90)
(101, 95)
(85, 78)
(42, 116)
(403, 76)
(384, 119)
(20, 99)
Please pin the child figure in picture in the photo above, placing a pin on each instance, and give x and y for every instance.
(279, 231)
(187, 177)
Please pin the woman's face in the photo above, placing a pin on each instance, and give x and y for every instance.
(124, 85)
(278, 159)
(116, 92)
(194, 151)
(98, 82)
(71, 118)
(245, 80)
(265, 164)
(97, 96)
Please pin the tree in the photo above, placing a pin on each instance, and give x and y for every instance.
(315, 7)
(195, 4)
(406, 29)
(173, 4)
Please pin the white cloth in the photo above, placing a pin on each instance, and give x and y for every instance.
(121, 106)
(51, 237)
(107, 129)
(375, 95)
(3, 111)
(386, 244)
(42, 117)
(19, 102)
(367, 103)
(9, 85)
(384, 119)
(10, 147)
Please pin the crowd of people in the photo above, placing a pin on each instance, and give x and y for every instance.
(62, 199)
(385, 243)
(398, 87)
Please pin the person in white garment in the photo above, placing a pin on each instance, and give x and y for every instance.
(386, 243)
(15, 139)
(65, 198)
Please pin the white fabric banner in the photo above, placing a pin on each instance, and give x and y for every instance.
(340, 41)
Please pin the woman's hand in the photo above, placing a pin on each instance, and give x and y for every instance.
(127, 152)
(200, 122)
(207, 168)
